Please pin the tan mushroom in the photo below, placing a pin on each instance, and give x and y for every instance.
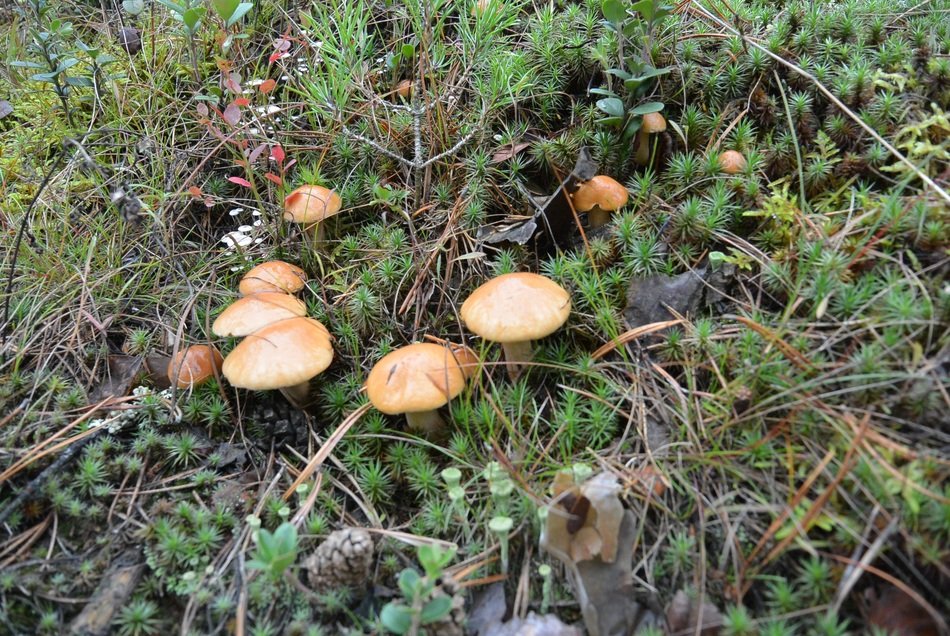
(194, 366)
(250, 313)
(273, 276)
(284, 355)
(653, 123)
(416, 380)
(514, 309)
(309, 206)
(732, 162)
(599, 197)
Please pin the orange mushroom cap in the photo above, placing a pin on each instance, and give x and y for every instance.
(311, 204)
(273, 276)
(194, 365)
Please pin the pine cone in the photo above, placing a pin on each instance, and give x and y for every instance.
(342, 560)
(453, 623)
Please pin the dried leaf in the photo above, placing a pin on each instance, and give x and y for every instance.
(685, 612)
(267, 86)
(509, 151)
(120, 375)
(896, 612)
(111, 595)
(605, 590)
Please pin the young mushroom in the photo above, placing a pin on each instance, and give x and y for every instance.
(273, 276)
(732, 162)
(415, 380)
(284, 355)
(310, 205)
(653, 123)
(194, 366)
(250, 313)
(514, 309)
(599, 197)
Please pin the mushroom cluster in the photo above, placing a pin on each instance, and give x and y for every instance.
(282, 348)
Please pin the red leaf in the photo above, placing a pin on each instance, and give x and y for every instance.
(278, 154)
(274, 178)
(267, 86)
(240, 181)
(196, 192)
(242, 101)
(232, 114)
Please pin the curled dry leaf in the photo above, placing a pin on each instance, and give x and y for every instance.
(585, 521)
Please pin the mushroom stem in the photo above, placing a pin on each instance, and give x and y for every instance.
(428, 422)
(516, 355)
(318, 232)
(598, 217)
(643, 148)
(298, 395)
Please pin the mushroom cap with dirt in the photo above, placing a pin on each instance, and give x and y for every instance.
(415, 380)
(514, 309)
(284, 355)
(194, 365)
(732, 162)
(599, 197)
(310, 205)
(250, 313)
(273, 276)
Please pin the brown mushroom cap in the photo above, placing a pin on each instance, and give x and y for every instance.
(311, 204)
(194, 365)
(250, 313)
(273, 276)
(732, 162)
(516, 307)
(602, 191)
(282, 354)
(418, 377)
(404, 89)
(653, 123)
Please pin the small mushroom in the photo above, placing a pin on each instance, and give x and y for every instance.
(194, 365)
(310, 205)
(273, 276)
(284, 355)
(250, 313)
(514, 309)
(415, 380)
(599, 197)
(732, 162)
(404, 89)
(652, 124)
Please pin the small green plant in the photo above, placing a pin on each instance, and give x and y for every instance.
(276, 551)
(190, 13)
(419, 606)
(50, 42)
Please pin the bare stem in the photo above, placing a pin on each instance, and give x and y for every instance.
(298, 395)
(516, 355)
(598, 217)
(428, 422)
